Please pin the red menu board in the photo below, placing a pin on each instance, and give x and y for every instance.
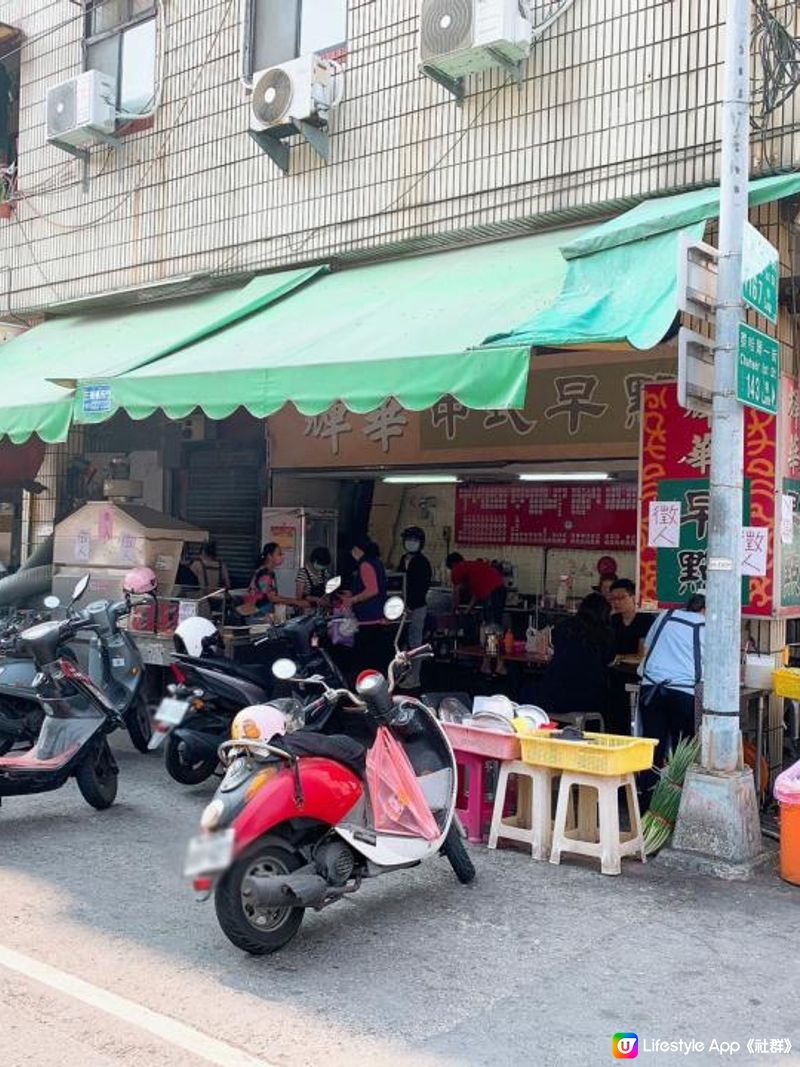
(549, 515)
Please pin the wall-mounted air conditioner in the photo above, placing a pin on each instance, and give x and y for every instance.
(459, 37)
(302, 90)
(82, 109)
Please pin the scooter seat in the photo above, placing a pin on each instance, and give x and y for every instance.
(338, 747)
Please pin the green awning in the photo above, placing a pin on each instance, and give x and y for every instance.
(621, 285)
(400, 329)
(668, 213)
(40, 368)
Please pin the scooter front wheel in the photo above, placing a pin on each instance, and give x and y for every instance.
(139, 723)
(183, 771)
(97, 776)
(455, 851)
(254, 929)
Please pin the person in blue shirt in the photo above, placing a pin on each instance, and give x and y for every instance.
(671, 674)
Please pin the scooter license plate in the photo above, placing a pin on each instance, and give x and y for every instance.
(209, 853)
(171, 711)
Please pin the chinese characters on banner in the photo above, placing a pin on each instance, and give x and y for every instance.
(790, 487)
(675, 466)
(549, 516)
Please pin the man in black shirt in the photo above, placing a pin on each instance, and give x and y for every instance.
(417, 569)
(630, 628)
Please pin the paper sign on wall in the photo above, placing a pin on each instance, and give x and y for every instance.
(787, 519)
(755, 548)
(664, 530)
(83, 546)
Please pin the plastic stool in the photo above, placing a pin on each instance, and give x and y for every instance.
(597, 833)
(472, 805)
(533, 822)
(580, 719)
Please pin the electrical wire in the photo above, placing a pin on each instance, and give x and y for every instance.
(778, 52)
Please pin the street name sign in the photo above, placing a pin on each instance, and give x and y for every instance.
(758, 371)
(760, 273)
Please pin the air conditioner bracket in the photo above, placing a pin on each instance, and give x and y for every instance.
(84, 155)
(512, 69)
(455, 86)
(275, 141)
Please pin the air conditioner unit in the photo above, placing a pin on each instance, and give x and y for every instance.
(79, 109)
(459, 37)
(303, 90)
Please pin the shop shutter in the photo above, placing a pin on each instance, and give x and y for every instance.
(224, 497)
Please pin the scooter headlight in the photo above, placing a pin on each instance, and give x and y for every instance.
(210, 818)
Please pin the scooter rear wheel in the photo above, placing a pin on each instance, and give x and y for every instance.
(139, 724)
(258, 931)
(97, 776)
(183, 772)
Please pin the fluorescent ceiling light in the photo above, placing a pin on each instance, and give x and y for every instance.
(568, 476)
(420, 479)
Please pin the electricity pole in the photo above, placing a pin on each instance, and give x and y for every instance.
(718, 829)
(720, 733)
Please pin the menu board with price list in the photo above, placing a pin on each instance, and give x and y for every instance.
(550, 515)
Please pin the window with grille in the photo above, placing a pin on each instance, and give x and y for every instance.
(120, 40)
(276, 31)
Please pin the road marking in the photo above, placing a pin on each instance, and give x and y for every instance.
(161, 1026)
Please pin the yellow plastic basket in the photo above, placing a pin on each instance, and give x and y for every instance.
(603, 754)
(786, 682)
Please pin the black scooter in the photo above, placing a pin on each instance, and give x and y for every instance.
(115, 665)
(78, 714)
(195, 718)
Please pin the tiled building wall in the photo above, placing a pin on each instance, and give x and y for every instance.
(618, 102)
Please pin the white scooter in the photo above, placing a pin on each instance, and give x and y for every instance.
(300, 819)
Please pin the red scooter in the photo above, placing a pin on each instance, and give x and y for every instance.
(366, 786)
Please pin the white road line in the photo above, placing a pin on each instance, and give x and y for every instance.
(161, 1026)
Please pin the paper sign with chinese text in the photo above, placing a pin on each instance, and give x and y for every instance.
(665, 523)
(755, 544)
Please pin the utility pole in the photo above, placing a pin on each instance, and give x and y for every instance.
(720, 733)
(718, 828)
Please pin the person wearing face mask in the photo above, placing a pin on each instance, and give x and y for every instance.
(417, 569)
(311, 579)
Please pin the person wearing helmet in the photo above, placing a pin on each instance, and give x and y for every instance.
(417, 568)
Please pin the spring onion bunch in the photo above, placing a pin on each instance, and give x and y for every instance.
(658, 822)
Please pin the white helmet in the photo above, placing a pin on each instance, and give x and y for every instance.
(260, 722)
(195, 636)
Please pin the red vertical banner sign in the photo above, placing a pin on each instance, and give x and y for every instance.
(675, 466)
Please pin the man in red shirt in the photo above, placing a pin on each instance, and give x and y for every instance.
(483, 584)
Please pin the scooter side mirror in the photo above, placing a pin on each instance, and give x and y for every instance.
(284, 669)
(394, 608)
(51, 603)
(80, 588)
(332, 585)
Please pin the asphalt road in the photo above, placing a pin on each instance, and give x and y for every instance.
(533, 965)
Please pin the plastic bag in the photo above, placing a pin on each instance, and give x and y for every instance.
(787, 785)
(398, 803)
(342, 630)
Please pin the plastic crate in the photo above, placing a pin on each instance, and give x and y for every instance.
(489, 743)
(602, 754)
(786, 682)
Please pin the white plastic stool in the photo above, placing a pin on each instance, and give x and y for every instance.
(533, 822)
(597, 833)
